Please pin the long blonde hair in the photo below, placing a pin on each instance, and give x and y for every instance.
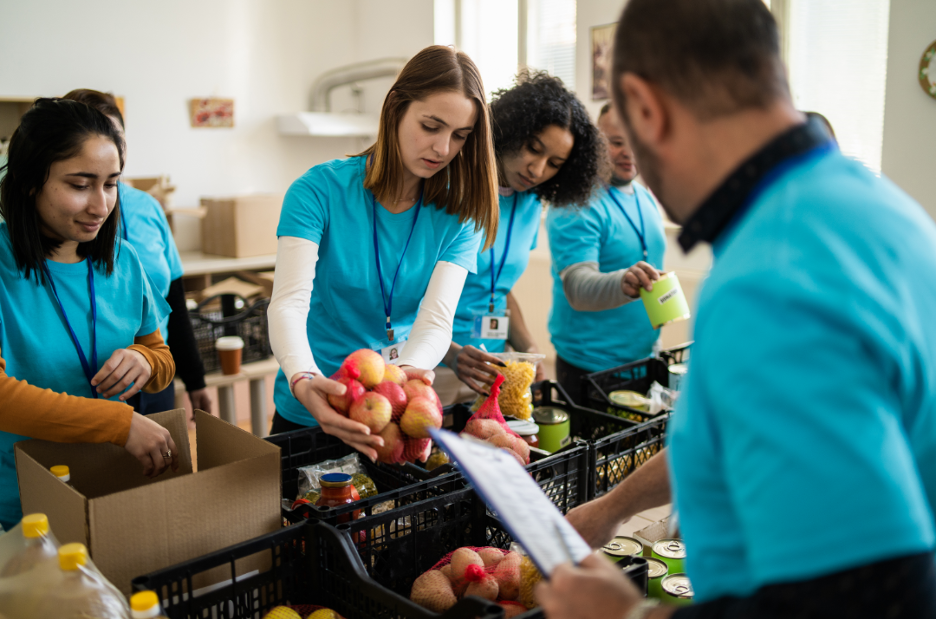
(467, 187)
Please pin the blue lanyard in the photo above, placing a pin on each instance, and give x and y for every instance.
(89, 370)
(388, 303)
(641, 234)
(495, 278)
(123, 219)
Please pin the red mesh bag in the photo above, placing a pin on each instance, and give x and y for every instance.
(490, 409)
(488, 423)
(487, 572)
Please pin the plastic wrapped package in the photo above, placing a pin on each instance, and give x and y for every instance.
(519, 371)
(310, 487)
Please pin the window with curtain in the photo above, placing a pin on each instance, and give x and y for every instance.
(551, 38)
(838, 67)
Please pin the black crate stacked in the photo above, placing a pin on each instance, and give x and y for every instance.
(231, 315)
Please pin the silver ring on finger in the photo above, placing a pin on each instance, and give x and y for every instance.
(167, 455)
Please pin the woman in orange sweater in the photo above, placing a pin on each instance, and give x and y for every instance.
(69, 291)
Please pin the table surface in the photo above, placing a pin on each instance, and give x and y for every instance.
(199, 263)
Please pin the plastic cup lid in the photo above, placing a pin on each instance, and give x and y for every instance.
(229, 343)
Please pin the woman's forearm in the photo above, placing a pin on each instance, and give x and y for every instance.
(430, 340)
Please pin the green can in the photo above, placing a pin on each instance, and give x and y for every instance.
(554, 427)
(677, 590)
(621, 547)
(672, 551)
(656, 571)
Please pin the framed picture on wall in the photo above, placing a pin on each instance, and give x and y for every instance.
(602, 39)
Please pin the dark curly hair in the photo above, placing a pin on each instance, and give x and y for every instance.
(537, 101)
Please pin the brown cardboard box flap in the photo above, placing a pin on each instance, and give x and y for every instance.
(220, 443)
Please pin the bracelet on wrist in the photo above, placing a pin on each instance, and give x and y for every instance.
(299, 377)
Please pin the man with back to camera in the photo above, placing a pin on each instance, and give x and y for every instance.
(802, 455)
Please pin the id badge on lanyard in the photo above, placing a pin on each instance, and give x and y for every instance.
(492, 326)
(392, 353)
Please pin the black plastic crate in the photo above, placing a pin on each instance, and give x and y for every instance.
(397, 547)
(219, 316)
(284, 578)
(395, 484)
(563, 475)
(676, 355)
(636, 377)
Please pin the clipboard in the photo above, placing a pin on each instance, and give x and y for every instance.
(507, 488)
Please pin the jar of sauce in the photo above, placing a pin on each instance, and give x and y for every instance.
(337, 490)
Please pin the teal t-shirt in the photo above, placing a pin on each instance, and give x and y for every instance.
(601, 233)
(328, 205)
(145, 227)
(805, 440)
(35, 342)
(476, 296)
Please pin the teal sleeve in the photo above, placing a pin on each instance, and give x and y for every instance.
(155, 307)
(535, 236)
(305, 207)
(463, 250)
(172, 252)
(575, 236)
(818, 464)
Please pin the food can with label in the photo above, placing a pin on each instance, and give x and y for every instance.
(627, 398)
(672, 551)
(554, 427)
(656, 571)
(677, 590)
(622, 546)
(677, 375)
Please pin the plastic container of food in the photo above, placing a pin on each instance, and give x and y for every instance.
(515, 398)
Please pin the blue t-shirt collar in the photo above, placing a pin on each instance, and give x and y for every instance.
(731, 199)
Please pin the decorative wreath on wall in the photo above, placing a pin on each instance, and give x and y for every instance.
(928, 70)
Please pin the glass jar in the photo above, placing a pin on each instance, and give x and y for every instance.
(337, 490)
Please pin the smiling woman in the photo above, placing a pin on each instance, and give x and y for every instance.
(374, 249)
(68, 290)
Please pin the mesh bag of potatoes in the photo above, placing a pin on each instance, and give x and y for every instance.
(519, 371)
(488, 424)
(487, 572)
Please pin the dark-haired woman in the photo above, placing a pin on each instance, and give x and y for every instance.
(374, 249)
(602, 256)
(143, 224)
(78, 320)
(547, 151)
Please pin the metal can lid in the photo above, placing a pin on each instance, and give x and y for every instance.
(335, 480)
(523, 427)
(678, 369)
(550, 415)
(656, 568)
(672, 548)
(677, 585)
(627, 398)
(623, 545)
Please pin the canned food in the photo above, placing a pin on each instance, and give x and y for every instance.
(677, 375)
(677, 590)
(622, 546)
(554, 427)
(627, 398)
(672, 551)
(656, 571)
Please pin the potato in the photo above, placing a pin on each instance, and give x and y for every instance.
(433, 590)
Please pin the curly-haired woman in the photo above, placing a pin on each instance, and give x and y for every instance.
(547, 151)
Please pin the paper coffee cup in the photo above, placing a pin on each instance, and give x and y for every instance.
(666, 303)
(230, 350)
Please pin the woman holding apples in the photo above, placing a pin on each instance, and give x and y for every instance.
(374, 249)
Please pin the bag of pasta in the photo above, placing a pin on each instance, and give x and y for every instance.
(519, 370)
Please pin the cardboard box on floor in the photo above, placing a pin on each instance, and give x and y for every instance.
(241, 226)
(133, 525)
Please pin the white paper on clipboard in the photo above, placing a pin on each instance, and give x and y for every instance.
(530, 518)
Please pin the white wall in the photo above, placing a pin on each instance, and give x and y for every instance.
(909, 114)
(266, 54)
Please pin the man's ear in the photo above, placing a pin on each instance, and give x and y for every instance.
(646, 111)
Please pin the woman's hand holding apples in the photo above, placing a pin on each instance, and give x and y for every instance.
(426, 376)
(313, 394)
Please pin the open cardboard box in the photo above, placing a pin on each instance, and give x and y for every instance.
(133, 525)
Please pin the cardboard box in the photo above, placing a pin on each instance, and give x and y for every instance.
(241, 226)
(133, 525)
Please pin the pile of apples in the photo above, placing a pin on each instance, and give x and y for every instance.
(381, 397)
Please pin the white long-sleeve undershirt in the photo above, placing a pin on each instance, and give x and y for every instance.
(288, 313)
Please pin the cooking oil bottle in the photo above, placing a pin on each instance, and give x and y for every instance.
(145, 604)
(82, 591)
(37, 546)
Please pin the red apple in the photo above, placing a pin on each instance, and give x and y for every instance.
(421, 415)
(416, 449)
(372, 410)
(415, 388)
(353, 391)
(395, 395)
(394, 373)
(367, 364)
(392, 450)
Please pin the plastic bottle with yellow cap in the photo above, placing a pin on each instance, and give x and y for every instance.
(37, 546)
(145, 604)
(82, 591)
(62, 473)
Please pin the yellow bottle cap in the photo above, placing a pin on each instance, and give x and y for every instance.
(61, 471)
(72, 555)
(144, 601)
(35, 525)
